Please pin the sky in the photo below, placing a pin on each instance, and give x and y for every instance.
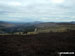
(37, 10)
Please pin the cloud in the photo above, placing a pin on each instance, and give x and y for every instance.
(34, 10)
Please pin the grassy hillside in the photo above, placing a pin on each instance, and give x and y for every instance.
(54, 27)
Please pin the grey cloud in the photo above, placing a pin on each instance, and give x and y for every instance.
(34, 9)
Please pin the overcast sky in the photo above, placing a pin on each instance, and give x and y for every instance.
(37, 10)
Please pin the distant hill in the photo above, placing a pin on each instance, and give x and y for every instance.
(6, 24)
(46, 24)
(6, 27)
(73, 22)
(9, 27)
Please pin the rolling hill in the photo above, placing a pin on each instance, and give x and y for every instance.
(11, 27)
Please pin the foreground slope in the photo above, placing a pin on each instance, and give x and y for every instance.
(42, 44)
